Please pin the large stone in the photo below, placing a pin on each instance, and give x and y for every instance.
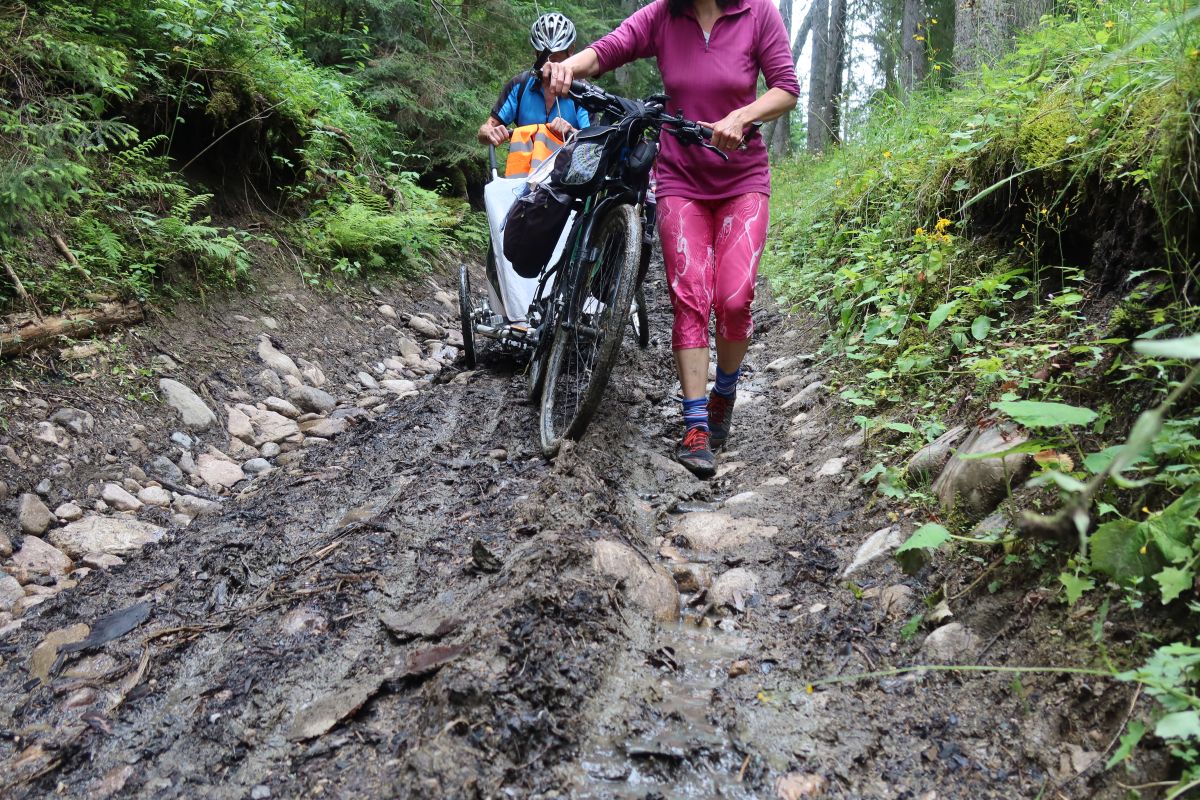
(426, 327)
(325, 428)
(832, 467)
(237, 422)
(269, 380)
(407, 348)
(805, 397)
(367, 380)
(950, 644)
(878, 545)
(256, 466)
(647, 585)
(280, 362)
(310, 398)
(399, 387)
(195, 412)
(32, 515)
(68, 512)
(191, 506)
(155, 496)
(929, 460)
(37, 558)
(218, 472)
(733, 587)
(272, 427)
(166, 469)
(717, 531)
(976, 486)
(10, 591)
(119, 499)
(75, 420)
(281, 407)
(6, 547)
(116, 536)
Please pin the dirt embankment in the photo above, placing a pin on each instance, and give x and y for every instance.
(422, 606)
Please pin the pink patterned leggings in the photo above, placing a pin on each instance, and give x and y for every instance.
(711, 249)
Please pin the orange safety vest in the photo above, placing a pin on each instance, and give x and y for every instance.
(529, 146)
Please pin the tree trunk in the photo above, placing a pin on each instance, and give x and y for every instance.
(18, 336)
(835, 69)
(818, 121)
(914, 64)
(983, 29)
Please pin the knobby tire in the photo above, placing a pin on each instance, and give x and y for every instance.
(585, 350)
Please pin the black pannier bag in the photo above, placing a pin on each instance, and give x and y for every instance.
(580, 165)
(533, 227)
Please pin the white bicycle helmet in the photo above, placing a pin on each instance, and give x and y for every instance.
(552, 33)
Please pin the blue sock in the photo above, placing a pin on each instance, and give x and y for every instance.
(695, 413)
(726, 384)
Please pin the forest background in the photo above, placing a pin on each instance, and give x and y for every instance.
(991, 203)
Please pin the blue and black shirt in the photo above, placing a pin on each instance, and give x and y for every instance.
(521, 102)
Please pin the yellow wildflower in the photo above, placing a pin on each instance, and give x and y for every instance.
(1142, 550)
(809, 688)
(1145, 510)
(918, 37)
(887, 153)
(919, 232)
(1109, 24)
(838, 182)
(937, 67)
(942, 224)
(933, 21)
(1045, 211)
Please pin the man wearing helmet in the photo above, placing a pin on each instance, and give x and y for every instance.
(522, 101)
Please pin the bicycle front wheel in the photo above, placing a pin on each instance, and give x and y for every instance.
(590, 331)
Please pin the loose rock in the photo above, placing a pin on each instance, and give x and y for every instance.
(6, 547)
(733, 587)
(367, 380)
(164, 468)
(217, 472)
(832, 467)
(74, 420)
(950, 644)
(237, 422)
(399, 387)
(716, 531)
(10, 591)
(270, 450)
(68, 512)
(32, 515)
(282, 407)
(270, 426)
(256, 466)
(37, 558)
(649, 586)
(310, 398)
(269, 380)
(978, 485)
(805, 397)
(195, 412)
(877, 546)
(119, 498)
(281, 363)
(155, 496)
(325, 428)
(117, 536)
(192, 506)
(929, 460)
(426, 327)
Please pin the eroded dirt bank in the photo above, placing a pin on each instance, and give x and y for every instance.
(422, 608)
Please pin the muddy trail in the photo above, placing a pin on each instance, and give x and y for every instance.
(428, 608)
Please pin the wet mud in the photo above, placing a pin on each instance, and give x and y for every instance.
(410, 612)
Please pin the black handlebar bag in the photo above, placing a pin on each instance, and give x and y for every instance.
(533, 227)
(581, 164)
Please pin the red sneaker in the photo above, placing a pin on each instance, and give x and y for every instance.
(695, 454)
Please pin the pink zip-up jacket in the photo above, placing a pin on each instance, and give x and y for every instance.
(707, 80)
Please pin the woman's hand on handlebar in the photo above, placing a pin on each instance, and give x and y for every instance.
(729, 132)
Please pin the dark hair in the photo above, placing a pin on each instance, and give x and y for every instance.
(677, 7)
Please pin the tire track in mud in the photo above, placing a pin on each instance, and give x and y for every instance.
(541, 679)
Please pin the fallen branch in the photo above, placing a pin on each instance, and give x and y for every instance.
(30, 334)
(20, 287)
(61, 244)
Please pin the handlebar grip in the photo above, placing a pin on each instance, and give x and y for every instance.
(706, 132)
(580, 87)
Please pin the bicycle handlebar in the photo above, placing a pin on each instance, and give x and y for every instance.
(685, 130)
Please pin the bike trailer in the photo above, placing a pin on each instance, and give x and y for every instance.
(516, 289)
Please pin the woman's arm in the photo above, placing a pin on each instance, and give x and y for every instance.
(728, 133)
(557, 77)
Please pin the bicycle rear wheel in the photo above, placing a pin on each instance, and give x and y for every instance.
(466, 315)
(589, 334)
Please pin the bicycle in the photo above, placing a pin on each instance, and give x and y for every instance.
(580, 322)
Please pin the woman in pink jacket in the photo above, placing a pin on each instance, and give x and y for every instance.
(712, 214)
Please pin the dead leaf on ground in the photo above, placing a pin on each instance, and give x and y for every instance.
(483, 559)
(320, 716)
(419, 623)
